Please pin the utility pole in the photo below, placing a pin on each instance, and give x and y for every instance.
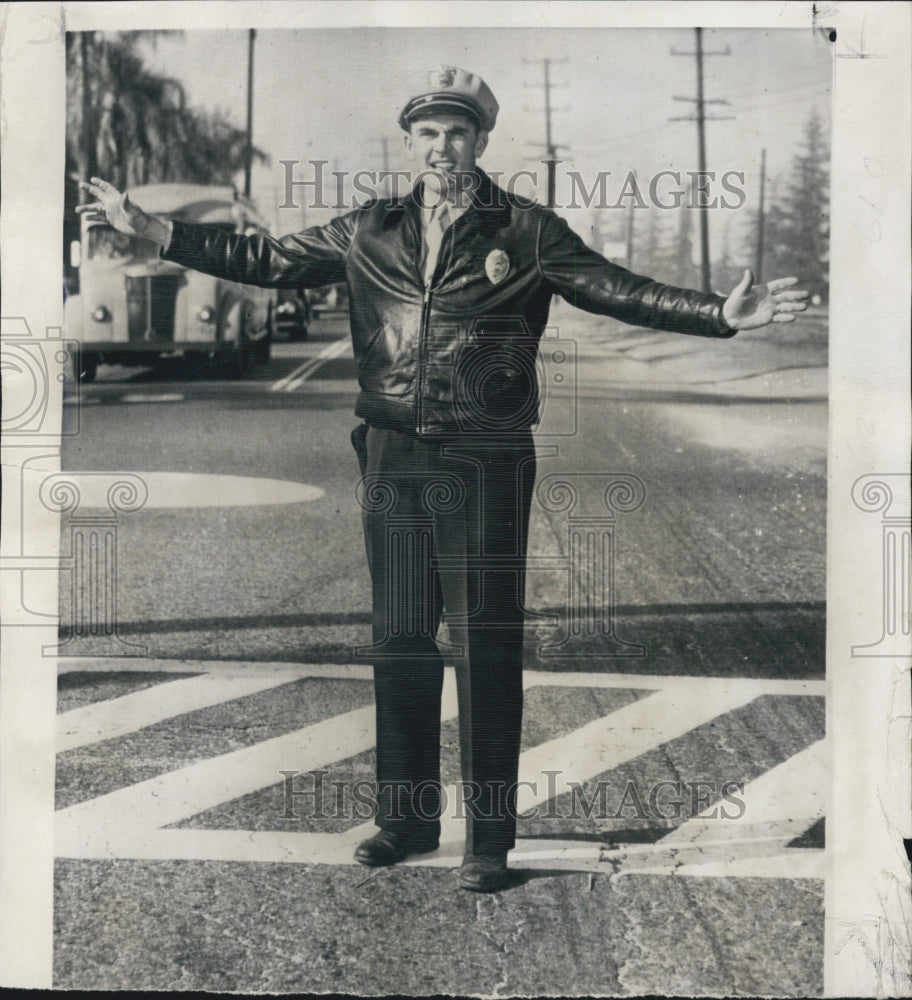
(384, 142)
(384, 145)
(340, 188)
(551, 147)
(597, 237)
(248, 150)
(88, 137)
(630, 209)
(758, 263)
(701, 118)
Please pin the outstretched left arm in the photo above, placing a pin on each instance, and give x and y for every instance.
(588, 281)
(750, 305)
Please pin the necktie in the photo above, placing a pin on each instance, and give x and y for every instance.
(433, 237)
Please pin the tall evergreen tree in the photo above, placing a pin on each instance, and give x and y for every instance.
(797, 231)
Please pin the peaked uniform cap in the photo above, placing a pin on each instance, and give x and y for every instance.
(450, 90)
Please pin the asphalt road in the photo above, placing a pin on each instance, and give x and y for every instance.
(687, 684)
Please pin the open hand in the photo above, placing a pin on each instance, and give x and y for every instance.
(117, 210)
(750, 306)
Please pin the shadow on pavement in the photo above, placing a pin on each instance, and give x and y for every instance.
(755, 639)
(751, 639)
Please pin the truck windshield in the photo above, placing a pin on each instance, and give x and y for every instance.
(103, 242)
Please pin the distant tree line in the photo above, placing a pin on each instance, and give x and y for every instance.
(796, 231)
(797, 224)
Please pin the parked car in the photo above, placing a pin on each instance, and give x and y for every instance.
(133, 308)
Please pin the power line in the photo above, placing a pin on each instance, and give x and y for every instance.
(551, 147)
(766, 92)
(808, 100)
(626, 137)
(701, 118)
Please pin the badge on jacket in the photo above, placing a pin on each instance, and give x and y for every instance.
(497, 266)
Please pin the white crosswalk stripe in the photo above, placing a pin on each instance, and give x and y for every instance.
(779, 806)
(295, 379)
(128, 823)
(105, 720)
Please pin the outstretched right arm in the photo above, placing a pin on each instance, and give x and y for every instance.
(308, 259)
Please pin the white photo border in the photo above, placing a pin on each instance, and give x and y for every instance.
(867, 893)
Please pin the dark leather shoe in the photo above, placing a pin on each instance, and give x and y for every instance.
(484, 873)
(389, 847)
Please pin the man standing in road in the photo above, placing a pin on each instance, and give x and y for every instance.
(450, 288)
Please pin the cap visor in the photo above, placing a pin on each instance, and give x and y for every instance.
(423, 107)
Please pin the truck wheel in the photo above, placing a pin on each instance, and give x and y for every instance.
(263, 347)
(239, 360)
(262, 350)
(88, 367)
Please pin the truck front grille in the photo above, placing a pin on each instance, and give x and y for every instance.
(150, 307)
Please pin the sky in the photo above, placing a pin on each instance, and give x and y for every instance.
(335, 94)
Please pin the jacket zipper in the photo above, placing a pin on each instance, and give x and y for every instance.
(425, 325)
(422, 353)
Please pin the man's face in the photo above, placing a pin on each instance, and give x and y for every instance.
(446, 144)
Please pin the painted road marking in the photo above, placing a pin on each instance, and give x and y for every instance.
(177, 795)
(779, 806)
(785, 801)
(271, 846)
(603, 745)
(304, 371)
(106, 720)
(129, 815)
(358, 671)
(127, 823)
(215, 668)
(161, 397)
(187, 489)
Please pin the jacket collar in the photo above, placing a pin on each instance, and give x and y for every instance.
(486, 197)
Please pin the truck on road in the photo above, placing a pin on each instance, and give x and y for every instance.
(133, 308)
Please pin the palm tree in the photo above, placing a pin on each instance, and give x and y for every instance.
(133, 126)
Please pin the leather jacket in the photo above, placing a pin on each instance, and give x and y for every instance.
(457, 355)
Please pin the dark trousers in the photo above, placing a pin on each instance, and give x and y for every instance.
(446, 527)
